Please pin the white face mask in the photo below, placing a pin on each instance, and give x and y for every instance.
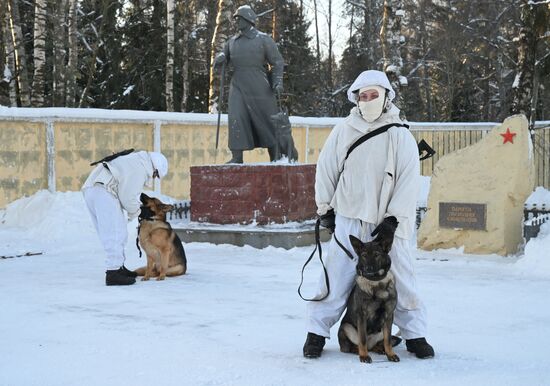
(371, 110)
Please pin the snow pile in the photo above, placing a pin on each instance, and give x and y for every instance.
(536, 257)
(50, 216)
(537, 253)
(539, 197)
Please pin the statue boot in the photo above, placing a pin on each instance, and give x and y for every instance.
(274, 154)
(236, 157)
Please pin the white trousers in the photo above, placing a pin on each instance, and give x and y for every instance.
(110, 223)
(410, 313)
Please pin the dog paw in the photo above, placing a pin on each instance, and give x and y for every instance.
(161, 278)
(365, 359)
(144, 278)
(393, 358)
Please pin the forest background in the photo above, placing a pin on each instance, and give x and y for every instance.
(448, 60)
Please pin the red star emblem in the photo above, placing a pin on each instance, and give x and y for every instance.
(508, 137)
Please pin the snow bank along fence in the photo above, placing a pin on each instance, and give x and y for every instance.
(534, 216)
(52, 148)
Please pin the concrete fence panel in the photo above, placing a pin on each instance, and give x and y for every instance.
(52, 148)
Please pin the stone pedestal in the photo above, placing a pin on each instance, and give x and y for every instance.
(255, 193)
(477, 193)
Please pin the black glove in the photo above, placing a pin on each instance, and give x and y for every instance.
(328, 220)
(384, 233)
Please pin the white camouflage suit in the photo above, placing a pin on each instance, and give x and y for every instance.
(110, 192)
(379, 179)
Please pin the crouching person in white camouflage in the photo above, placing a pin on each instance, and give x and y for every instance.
(112, 188)
(369, 193)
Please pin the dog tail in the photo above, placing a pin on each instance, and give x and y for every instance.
(351, 333)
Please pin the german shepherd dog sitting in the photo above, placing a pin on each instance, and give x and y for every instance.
(369, 316)
(165, 253)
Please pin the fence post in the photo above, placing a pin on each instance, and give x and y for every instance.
(157, 147)
(306, 151)
(50, 154)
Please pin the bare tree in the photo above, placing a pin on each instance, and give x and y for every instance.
(20, 56)
(330, 77)
(186, 12)
(169, 82)
(60, 56)
(39, 52)
(5, 71)
(534, 20)
(73, 53)
(218, 39)
(390, 36)
(317, 44)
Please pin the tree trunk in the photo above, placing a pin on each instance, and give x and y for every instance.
(92, 61)
(73, 54)
(523, 83)
(9, 72)
(59, 67)
(5, 54)
(22, 75)
(185, 71)
(330, 44)
(169, 82)
(274, 21)
(218, 39)
(390, 36)
(317, 44)
(425, 69)
(39, 52)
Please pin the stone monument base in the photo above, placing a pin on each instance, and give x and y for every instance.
(261, 236)
(253, 193)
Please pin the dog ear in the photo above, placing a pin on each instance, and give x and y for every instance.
(385, 245)
(356, 244)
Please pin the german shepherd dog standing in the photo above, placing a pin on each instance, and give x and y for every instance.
(369, 315)
(165, 253)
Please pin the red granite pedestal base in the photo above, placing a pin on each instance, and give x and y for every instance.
(260, 193)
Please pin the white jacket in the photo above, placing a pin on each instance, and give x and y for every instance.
(125, 179)
(380, 178)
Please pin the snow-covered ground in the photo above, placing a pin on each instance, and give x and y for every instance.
(236, 319)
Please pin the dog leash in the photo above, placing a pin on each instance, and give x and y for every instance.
(137, 240)
(317, 245)
(346, 251)
(140, 219)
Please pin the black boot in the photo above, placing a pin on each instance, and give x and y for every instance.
(274, 154)
(314, 345)
(420, 348)
(236, 157)
(127, 272)
(118, 277)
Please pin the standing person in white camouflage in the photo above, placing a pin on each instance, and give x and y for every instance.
(252, 100)
(369, 193)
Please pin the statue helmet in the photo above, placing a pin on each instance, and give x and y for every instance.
(246, 12)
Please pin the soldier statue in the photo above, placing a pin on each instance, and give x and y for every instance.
(252, 102)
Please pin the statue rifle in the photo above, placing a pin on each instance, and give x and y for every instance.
(220, 99)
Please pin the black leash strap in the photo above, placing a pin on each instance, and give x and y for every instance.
(346, 251)
(317, 245)
(137, 240)
(113, 156)
(371, 134)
